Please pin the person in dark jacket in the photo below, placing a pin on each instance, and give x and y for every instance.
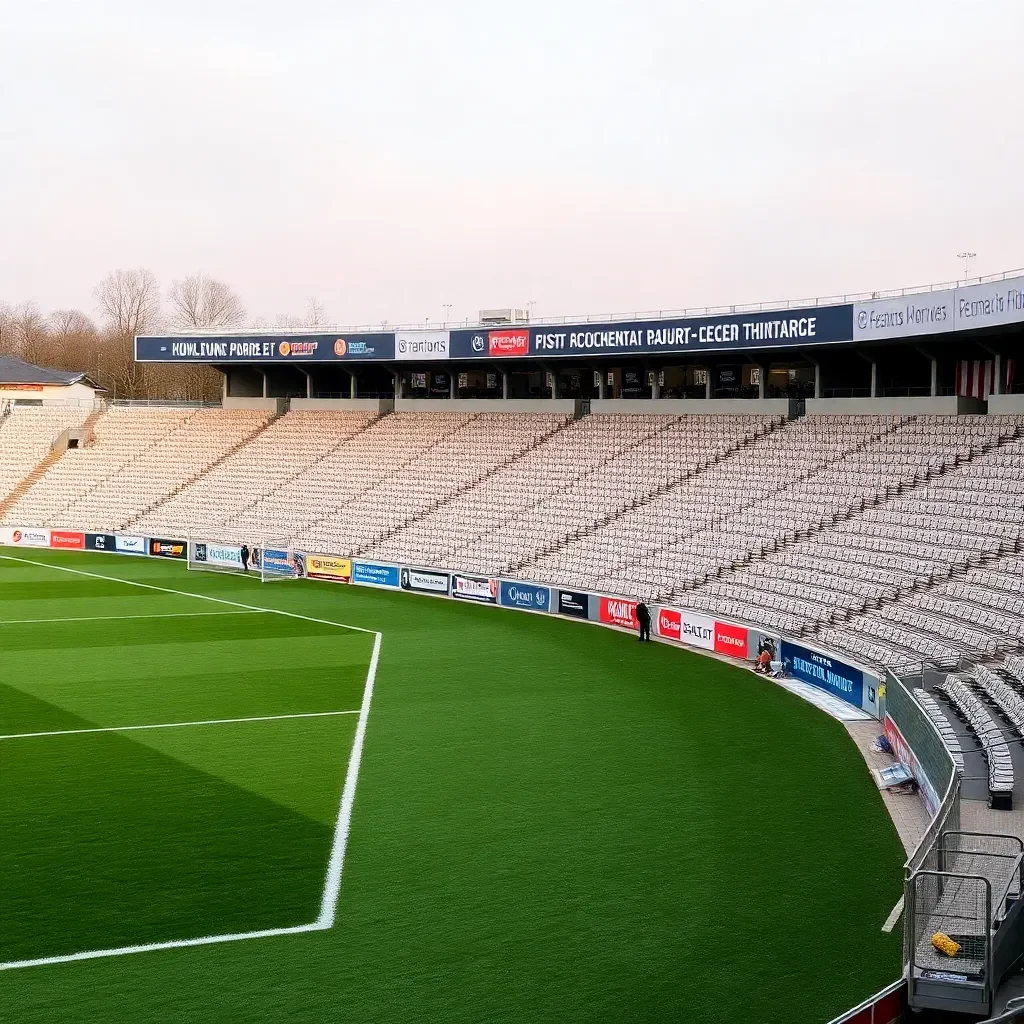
(643, 618)
(245, 557)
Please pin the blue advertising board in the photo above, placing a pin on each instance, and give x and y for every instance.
(373, 574)
(815, 325)
(256, 348)
(823, 671)
(525, 595)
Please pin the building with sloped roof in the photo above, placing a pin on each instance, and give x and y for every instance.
(26, 384)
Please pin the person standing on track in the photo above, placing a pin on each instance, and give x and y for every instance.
(643, 618)
(245, 557)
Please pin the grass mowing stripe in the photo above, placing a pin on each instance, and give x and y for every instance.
(174, 725)
(183, 593)
(112, 618)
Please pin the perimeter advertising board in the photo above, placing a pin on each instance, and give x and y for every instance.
(420, 346)
(67, 539)
(129, 545)
(824, 671)
(575, 603)
(529, 596)
(100, 542)
(904, 317)
(328, 567)
(375, 574)
(685, 627)
(732, 640)
(159, 547)
(989, 305)
(424, 581)
(617, 611)
(475, 588)
(228, 555)
(25, 537)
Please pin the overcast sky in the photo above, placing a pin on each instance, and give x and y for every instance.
(390, 157)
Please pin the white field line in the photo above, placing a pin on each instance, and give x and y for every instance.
(173, 725)
(332, 885)
(115, 618)
(185, 593)
(894, 916)
(342, 827)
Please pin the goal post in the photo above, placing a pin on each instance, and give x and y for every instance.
(216, 556)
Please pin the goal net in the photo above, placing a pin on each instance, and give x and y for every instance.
(278, 560)
(219, 556)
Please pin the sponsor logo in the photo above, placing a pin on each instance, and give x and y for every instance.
(616, 611)
(686, 628)
(422, 345)
(425, 581)
(328, 567)
(298, 348)
(167, 548)
(574, 602)
(31, 538)
(525, 595)
(340, 347)
(218, 554)
(862, 319)
(475, 588)
(731, 640)
(67, 539)
(373, 574)
(278, 563)
(100, 542)
(508, 343)
(130, 545)
(478, 343)
(824, 671)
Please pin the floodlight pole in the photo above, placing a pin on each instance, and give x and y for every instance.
(966, 257)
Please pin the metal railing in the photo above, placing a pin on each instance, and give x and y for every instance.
(601, 318)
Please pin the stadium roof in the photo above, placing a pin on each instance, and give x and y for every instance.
(17, 371)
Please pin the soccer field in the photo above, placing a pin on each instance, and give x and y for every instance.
(550, 823)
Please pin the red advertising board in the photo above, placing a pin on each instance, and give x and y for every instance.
(617, 611)
(686, 627)
(731, 640)
(67, 539)
(508, 343)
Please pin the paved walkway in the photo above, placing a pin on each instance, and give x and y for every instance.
(908, 811)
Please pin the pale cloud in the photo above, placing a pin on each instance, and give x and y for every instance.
(392, 157)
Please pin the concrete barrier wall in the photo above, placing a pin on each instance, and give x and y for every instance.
(682, 406)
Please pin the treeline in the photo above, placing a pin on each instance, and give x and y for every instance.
(130, 302)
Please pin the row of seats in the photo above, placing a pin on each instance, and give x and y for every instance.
(27, 433)
(934, 711)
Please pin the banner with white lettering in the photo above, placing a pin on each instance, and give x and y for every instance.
(824, 671)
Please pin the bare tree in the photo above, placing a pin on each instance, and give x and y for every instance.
(200, 301)
(316, 315)
(129, 301)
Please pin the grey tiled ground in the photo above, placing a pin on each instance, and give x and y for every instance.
(908, 812)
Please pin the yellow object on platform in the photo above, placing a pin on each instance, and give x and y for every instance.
(945, 944)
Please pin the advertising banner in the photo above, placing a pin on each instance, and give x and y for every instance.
(100, 542)
(685, 627)
(425, 581)
(502, 344)
(374, 574)
(158, 547)
(129, 545)
(422, 345)
(824, 671)
(514, 594)
(617, 611)
(217, 554)
(731, 640)
(815, 325)
(989, 305)
(575, 603)
(27, 537)
(904, 317)
(258, 348)
(907, 757)
(278, 562)
(328, 567)
(474, 588)
(71, 539)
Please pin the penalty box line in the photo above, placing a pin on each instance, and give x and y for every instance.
(342, 827)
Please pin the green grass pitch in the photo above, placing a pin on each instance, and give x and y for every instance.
(552, 822)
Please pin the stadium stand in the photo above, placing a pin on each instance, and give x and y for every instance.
(894, 539)
(27, 434)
